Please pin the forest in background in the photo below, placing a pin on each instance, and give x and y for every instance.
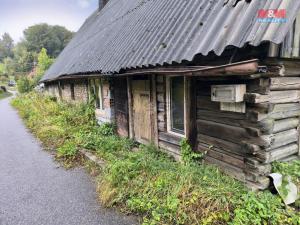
(27, 60)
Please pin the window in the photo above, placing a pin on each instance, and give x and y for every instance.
(176, 105)
(72, 91)
(96, 91)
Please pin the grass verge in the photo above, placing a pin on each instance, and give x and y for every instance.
(148, 182)
(4, 94)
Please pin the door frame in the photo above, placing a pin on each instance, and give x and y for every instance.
(153, 108)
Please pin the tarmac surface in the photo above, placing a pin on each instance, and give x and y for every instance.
(35, 190)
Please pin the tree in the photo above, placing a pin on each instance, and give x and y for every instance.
(44, 62)
(53, 38)
(6, 46)
(24, 61)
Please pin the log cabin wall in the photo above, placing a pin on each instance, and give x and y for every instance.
(245, 144)
(168, 142)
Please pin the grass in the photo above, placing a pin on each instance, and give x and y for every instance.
(147, 182)
(4, 94)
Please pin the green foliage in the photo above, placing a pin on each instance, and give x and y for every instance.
(188, 156)
(148, 182)
(6, 46)
(68, 149)
(107, 129)
(25, 85)
(52, 38)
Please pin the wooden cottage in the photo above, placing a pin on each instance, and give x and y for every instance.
(224, 74)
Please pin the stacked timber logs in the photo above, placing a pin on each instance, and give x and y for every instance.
(166, 141)
(245, 145)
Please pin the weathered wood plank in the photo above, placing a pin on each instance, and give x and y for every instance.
(285, 83)
(169, 138)
(231, 133)
(222, 144)
(260, 86)
(173, 150)
(274, 97)
(222, 156)
(285, 124)
(277, 154)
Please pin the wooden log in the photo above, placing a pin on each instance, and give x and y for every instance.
(274, 97)
(204, 102)
(169, 138)
(277, 154)
(161, 116)
(290, 158)
(233, 171)
(285, 83)
(161, 107)
(160, 88)
(161, 97)
(223, 156)
(261, 169)
(285, 124)
(231, 133)
(222, 144)
(162, 126)
(261, 107)
(260, 86)
(170, 149)
(275, 141)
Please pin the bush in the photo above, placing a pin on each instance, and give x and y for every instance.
(25, 85)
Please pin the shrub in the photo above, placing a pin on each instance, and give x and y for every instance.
(25, 85)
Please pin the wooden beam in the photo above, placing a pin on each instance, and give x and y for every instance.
(130, 107)
(274, 97)
(154, 111)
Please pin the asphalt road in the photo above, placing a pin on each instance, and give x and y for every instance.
(34, 190)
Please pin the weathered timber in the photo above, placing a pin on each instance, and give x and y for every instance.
(161, 97)
(259, 168)
(204, 102)
(274, 97)
(231, 133)
(233, 171)
(161, 107)
(285, 124)
(277, 154)
(160, 79)
(260, 86)
(161, 116)
(222, 144)
(171, 149)
(160, 88)
(161, 126)
(285, 83)
(290, 158)
(261, 107)
(169, 138)
(220, 114)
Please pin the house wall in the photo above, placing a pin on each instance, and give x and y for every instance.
(243, 144)
(63, 90)
(107, 114)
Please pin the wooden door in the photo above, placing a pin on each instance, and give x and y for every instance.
(141, 110)
(121, 107)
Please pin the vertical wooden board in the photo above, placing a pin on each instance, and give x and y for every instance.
(154, 110)
(121, 107)
(130, 107)
(141, 110)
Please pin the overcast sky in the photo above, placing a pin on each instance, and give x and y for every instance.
(16, 15)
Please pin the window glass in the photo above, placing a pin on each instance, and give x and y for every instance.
(177, 104)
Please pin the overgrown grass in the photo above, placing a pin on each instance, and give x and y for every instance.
(4, 94)
(147, 182)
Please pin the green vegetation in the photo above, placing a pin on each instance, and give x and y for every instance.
(4, 94)
(148, 182)
(33, 55)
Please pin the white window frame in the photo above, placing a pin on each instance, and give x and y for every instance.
(168, 101)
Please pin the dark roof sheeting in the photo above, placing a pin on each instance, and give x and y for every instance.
(134, 33)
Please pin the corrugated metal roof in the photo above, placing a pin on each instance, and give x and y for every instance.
(135, 33)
